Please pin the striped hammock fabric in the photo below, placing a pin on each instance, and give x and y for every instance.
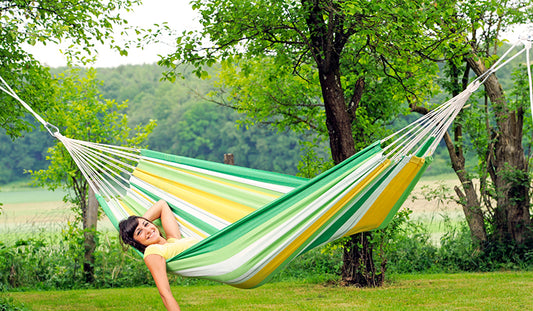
(252, 223)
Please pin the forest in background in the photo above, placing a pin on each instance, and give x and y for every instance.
(188, 124)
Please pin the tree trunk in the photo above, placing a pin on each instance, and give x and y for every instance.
(229, 159)
(359, 269)
(469, 198)
(358, 264)
(512, 219)
(338, 120)
(89, 231)
(327, 42)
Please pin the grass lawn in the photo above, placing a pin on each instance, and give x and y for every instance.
(464, 291)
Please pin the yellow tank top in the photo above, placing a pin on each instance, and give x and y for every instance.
(171, 248)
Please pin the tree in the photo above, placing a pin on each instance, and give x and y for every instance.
(499, 214)
(340, 62)
(81, 23)
(81, 113)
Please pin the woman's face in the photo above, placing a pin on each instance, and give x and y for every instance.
(146, 232)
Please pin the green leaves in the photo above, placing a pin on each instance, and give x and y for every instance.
(80, 112)
(48, 21)
(267, 92)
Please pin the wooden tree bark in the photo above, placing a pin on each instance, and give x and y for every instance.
(358, 263)
(327, 42)
(512, 219)
(338, 120)
(359, 268)
(229, 159)
(90, 220)
(468, 197)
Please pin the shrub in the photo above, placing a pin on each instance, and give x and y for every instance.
(7, 304)
(56, 263)
(405, 245)
(24, 263)
(456, 252)
(316, 265)
(116, 268)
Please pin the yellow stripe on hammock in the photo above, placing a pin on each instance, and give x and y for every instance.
(304, 236)
(223, 208)
(216, 180)
(377, 213)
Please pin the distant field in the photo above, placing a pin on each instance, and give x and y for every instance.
(437, 214)
(27, 211)
(30, 195)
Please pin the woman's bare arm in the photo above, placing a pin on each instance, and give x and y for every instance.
(157, 266)
(161, 210)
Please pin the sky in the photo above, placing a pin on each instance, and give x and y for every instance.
(177, 13)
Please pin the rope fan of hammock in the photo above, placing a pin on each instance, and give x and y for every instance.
(251, 222)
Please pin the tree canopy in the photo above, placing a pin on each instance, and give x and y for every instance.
(81, 112)
(24, 22)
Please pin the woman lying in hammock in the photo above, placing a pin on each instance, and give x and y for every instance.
(142, 234)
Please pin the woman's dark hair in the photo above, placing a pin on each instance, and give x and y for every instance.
(127, 228)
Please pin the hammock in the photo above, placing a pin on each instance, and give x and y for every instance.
(252, 223)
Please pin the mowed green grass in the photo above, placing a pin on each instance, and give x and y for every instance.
(463, 291)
